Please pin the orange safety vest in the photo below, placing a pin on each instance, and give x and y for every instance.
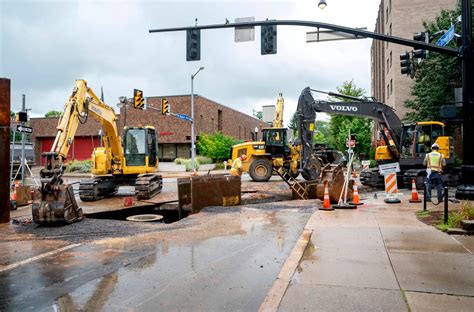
(435, 161)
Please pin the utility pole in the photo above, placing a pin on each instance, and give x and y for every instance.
(23, 160)
(193, 139)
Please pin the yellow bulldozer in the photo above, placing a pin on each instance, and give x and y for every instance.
(128, 160)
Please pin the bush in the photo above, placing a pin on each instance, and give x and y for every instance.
(199, 160)
(81, 166)
(216, 146)
(467, 211)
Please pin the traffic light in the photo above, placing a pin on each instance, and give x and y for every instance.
(21, 117)
(138, 100)
(424, 37)
(165, 107)
(268, 39)
(405, 64)
(193, 45)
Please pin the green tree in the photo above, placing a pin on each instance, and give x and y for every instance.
(53, 114)
(322, 135)
(339, 125)
(216, 146)
(437, 76)
(293, 125)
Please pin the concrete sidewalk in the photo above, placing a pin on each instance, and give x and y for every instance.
(381, 258)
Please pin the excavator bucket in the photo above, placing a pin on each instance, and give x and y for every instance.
(334, 175)
(56, 206)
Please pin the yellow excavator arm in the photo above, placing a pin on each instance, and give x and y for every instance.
(278, 119)
(83, 103)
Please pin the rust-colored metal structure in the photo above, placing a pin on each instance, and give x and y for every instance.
(195, 193)
(4, 152)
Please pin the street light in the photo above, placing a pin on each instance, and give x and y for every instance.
(193, 147)
(322, 4)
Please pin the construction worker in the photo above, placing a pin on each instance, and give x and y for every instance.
(236, 168)
(434, 163)
(423, 142)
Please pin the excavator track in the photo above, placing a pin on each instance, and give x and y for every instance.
(148, 185)
(97, 188)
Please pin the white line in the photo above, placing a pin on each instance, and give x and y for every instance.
(38, 257)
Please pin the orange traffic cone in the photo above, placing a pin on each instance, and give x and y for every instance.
(327, 202)
(355, 196)
(414, 193)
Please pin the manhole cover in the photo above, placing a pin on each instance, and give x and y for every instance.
(145, 218)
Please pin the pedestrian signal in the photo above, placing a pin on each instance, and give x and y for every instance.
(165, 107)
(138, 100)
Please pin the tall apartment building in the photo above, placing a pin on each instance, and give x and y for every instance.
(401, 18)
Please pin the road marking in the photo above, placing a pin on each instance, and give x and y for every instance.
(38, 257)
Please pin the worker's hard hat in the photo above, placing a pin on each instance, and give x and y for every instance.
(243, 157)
(435, 146)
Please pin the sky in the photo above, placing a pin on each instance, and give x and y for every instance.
(46, 45)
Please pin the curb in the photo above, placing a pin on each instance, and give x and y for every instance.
(277, 291)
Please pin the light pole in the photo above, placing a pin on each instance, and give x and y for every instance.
(193, 139)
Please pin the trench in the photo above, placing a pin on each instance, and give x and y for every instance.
(169, 215)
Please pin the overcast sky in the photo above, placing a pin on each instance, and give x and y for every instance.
(46, 45)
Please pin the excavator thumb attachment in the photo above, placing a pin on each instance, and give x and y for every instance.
(56, 206)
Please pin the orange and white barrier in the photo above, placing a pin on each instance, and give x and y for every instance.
(391, 188)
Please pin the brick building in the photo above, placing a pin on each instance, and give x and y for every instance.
(86, 139)
(401, 18)
(174, 134)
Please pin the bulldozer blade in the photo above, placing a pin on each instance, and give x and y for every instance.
(57, 207)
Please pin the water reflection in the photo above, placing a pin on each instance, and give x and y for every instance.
(95, 302)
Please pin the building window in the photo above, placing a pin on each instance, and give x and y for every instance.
(388, 67)
(391, 58)
(390, 29)
(219, 120)
(386, 15)
(200, 123)
(388, 91)
(212, 125)
(391, 86)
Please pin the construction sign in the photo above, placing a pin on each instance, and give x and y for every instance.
(391, 183)
(138, 100)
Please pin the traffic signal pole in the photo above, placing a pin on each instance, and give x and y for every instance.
(466, 190)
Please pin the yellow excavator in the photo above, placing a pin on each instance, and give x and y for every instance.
(129, 161)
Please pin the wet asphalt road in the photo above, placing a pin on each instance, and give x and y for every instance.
(220, 259)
